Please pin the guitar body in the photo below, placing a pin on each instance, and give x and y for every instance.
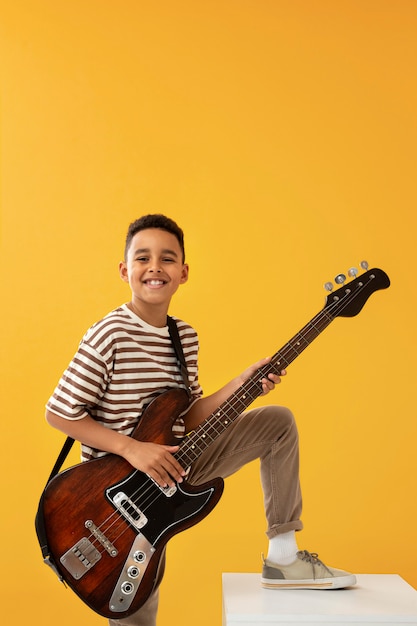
(107, 524)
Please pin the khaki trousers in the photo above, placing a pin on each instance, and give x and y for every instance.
(266, 433)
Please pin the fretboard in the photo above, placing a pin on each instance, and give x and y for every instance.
(242, 398)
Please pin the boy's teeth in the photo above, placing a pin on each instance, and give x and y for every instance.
(155, 282)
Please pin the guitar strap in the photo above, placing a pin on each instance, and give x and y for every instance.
(39, 519)
(176, 341)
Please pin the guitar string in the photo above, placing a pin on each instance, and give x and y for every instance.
(251, 389)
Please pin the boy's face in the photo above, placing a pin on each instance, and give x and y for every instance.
(154, 269)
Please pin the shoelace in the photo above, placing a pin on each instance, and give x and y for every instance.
(313, 558)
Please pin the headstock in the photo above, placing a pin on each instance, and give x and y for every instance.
(350, 298)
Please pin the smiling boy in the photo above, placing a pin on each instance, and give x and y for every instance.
(127, 359)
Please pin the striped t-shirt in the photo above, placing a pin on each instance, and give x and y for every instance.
(121, 364)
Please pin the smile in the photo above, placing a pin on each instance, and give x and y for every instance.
(154, 283)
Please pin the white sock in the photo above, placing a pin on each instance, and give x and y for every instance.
(283, 548)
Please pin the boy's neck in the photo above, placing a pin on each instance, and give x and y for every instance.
(157, 318)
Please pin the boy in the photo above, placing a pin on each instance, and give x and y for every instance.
(127, 359)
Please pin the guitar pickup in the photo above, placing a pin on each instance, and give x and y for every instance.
(129, 510)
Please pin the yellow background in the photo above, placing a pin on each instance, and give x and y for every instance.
(281, 135)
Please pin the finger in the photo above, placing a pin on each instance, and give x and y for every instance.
(271, 381)
(263, 362)
(169, 469)
(174, 467)
(274, 378)
(162, 477)
(174, 472)
(268, 384)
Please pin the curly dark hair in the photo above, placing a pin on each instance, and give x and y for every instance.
(155, 220)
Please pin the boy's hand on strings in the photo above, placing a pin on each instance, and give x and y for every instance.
(155, 460)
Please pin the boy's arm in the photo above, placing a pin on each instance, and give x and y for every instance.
(153, 459)
(207, 405)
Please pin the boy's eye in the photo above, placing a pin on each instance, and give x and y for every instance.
(145, 259)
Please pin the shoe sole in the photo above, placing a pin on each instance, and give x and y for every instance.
(322, 583)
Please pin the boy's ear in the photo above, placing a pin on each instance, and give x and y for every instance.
(184, 275)
(123, 271)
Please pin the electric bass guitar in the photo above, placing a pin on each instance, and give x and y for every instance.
(107, 524)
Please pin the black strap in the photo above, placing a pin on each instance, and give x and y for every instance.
(176, 341)
(61, 458)
(39, 518)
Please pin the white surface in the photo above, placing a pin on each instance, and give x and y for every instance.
(377, 599)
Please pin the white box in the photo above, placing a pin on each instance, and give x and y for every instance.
(377, 599)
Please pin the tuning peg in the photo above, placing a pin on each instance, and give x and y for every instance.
(353, 272)
(364, 265)
(340, 279)
(328, 286)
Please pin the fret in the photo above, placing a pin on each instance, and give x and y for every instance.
(184, 457)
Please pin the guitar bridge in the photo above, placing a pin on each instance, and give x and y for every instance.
(80, 558)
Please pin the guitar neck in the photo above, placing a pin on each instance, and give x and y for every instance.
(347, 301)
(242, 398)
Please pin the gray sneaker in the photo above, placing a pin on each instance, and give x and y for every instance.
(307, 572)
